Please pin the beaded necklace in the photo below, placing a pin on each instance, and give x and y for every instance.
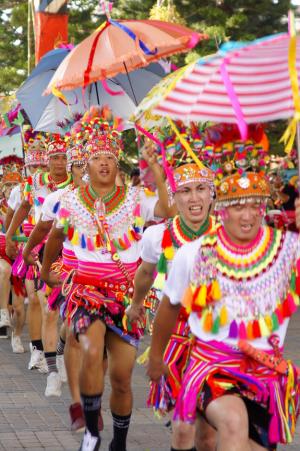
(257, 288)
(112, 201)
(47, 179)
(176, 234)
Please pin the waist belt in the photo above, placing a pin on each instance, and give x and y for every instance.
(88, 280)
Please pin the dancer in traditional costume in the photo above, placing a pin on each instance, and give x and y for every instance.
(36, 189)
(35, 160)
(104, 224)
(193, 199)
(12, 170)
(240, 284)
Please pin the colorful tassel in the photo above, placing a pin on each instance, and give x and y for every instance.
(291, 304)
(223, 316)
(256, 329)
(169, 253)
(83, 241)
(187, 298)
(215, 290)
(126, 241)
(250, 330)
(89, 244)
(75, 239)
(279, 315)
(264, 331)
(208, 322)
(56, 207)
(162, 266)
(275, 322)
(200, 298)
(70, 233)
(216, 325)
(233, 330)
(269, 323)
(242, 331)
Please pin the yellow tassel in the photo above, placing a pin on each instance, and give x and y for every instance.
(268, 321)
(296, 298)
(223, 316)
(187, 298)
(159, 281)
(200, 300)
(215, 290)
(75, 239)
(169, 253)
(139, 222)
(124, 323)
(264, 330)
(143, 358)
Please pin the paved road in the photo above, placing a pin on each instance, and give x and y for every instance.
(30, 421)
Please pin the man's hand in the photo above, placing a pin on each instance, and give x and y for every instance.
(52, 279)
(29, 258)
(135, 313)
(149, 153)
(11, 248)
(297, 212)
(156, 369)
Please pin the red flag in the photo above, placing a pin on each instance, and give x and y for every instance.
(51, 25)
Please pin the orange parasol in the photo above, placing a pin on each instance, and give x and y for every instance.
(121, 46)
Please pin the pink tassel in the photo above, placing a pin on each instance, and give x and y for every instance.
(63, 213)
(90, 244)
(233, 330)
(137, 210)
(242, 331)
(126, 241)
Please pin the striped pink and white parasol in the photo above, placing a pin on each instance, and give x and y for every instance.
(242, 83)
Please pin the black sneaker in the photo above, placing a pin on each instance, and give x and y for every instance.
(90, 443)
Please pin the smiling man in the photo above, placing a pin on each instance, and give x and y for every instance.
(104, 224)
(193, 199)
(240, 285)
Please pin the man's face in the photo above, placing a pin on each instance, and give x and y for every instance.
(102, 169)
(7, 188)
(57, 165)
(77, 173)
(193, 202)
(243, 221)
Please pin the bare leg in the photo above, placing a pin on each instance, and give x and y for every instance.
(5, 273)
(34, 313)
(49, 325)
(73, 357)
(121, 360)
(92, 345)
(183, 435)
(228, 415)
(206, 436)
(19, 314)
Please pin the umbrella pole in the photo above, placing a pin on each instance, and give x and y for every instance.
(97, 93)
(127, 73)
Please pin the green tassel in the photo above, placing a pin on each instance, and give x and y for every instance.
(216, 325)
(293, 281)
(275, 322)
(66, 227)
(162, 266)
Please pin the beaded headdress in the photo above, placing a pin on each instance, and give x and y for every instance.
(191, 172)
(102, 132)
(34, 148)
(11, 169)
(240, 166)
(55, 145)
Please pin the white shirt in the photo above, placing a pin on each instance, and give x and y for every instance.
(15, 199)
